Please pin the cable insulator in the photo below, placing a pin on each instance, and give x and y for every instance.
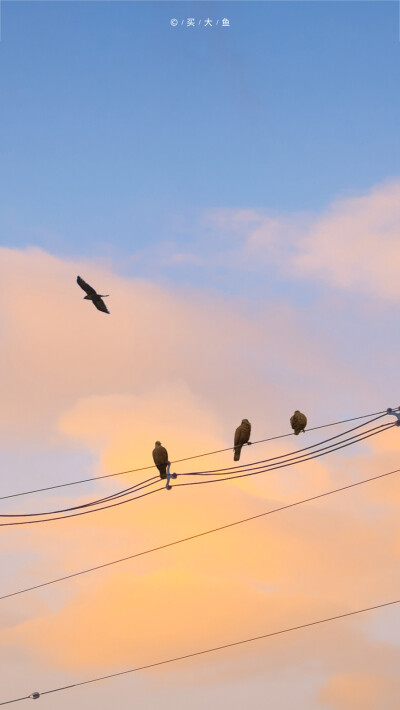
(396, 413)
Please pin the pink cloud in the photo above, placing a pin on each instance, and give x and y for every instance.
(352, 245)
(356, 244)
(57, 349)
(185, 366)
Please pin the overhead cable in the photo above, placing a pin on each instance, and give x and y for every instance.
(187, 458)
(83, 512)
(289, 462)
(270, 634)
(226, 471)
(257, 466)
(267, 468)
(198, 535)
(270, 468)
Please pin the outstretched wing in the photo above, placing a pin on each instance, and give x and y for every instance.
(100, 305)
(89, 290)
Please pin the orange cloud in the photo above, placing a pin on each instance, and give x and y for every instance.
(286, 569)
(185, 367)
(57, 350)
(361, 691)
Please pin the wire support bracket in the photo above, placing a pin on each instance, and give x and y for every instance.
(169, 476)
(396, 413)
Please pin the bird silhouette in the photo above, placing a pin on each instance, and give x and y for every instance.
(160, 458)
(298, 422)
(242, 436)
(92, 295)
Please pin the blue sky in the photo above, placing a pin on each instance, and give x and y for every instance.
(118, 130)
(249, 176)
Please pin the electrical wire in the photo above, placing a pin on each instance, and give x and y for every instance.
(84, 512)
(246, 467)
(113, 496)
(332, 448)
(207, 650)
(254, 464)
(197, 535)
(286, 464)
(187, 458)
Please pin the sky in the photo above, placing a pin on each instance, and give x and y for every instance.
(236, 191)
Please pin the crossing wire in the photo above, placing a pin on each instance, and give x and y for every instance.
(236, 467)
(254, 465)
(268, 469)
(246, 467)
(187, 458)
(207, 650)
(113, 496)
(288, 463)
(84, 512)
(198, 535)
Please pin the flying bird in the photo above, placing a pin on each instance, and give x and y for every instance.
(92, 295)
(298, 422)
(160, 458)
(242, 436)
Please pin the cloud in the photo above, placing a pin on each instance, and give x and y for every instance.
(125, 427)
(352, 246)
(356, 245)
(286, 569)
(58, 350)
(185, 366)
(269, 575)
(361, 691)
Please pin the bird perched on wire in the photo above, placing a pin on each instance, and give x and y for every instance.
(160, 458)
(242, 436)
(92, 295)
(298, 422)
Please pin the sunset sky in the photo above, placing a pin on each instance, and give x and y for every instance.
(236, 191)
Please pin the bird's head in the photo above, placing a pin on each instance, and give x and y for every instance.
(158, 443)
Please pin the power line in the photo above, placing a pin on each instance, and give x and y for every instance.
(187, 458)
(288, 459)
(207, 650)
(254, 465)
(288, 463)
(236, 467)
(113, 496)
(84, 512)
(194, 483)
(202, 534)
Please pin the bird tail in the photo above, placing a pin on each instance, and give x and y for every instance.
(237, 453)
